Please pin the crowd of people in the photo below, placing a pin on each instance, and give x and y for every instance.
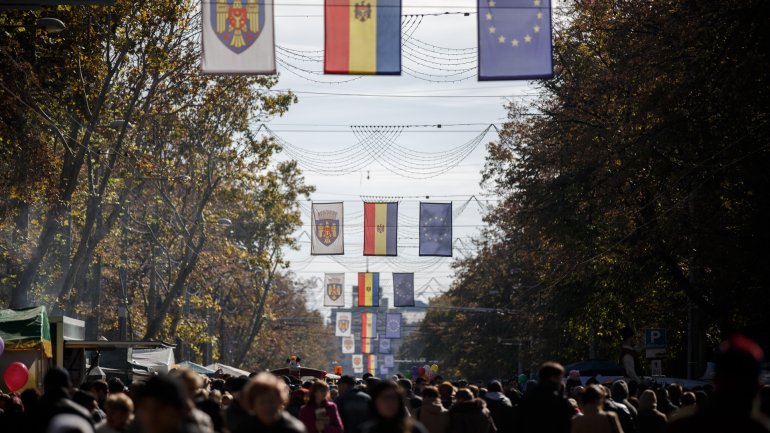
(186, 402)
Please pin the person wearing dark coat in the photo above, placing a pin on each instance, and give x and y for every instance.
(352, 403)
(470, 415)
(544, 408)
(500, 407)
(57, 387)
(388, 411)
(319, 414)
(263, 399)
(650, 419)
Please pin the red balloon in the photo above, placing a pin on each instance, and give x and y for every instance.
(421, 372)
(16, 376)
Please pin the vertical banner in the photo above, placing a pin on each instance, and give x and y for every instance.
(334, 290)
(436, 229)
(362, 37)
(344, 324)
(372, 364)
(237, 37)
(368, 325)
(403, 289)
(358, 363)
(389, 361)
(514, 39)
(368, 289)
(367, 345)
(384, 345)
(393, 325)
(384, 370)
(326, 226)
(348, 345)
(380, 229)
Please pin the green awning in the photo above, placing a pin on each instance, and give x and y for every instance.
(26, 329)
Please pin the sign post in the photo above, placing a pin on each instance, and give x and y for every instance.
(655, 344)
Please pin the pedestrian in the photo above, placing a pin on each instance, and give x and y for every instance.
(650, 419)
(297, 399)
(544, 408)
(352, 404)
(626, 418)
(594, 419)
(432, 414)
(470, 415)
(629, 356)
(664, 402)
(88, 401)
(120, 412)
(265, 398)
(319, 414)
(499, 406)
(162, 406)
(57, 389)
(447, 392)
(388, 409)
(413, 401)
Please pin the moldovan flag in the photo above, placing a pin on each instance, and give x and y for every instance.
(403, 289)
(344, 324)
(237, 37)
(380, 229)
(348, 345)
(358, 363)
(362, 37)
(372, 364)
(368, 289)
(326, 225)
(367, 345)
(368, 325)
(334, 290)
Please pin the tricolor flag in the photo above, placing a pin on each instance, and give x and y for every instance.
(436, 229)
(362, 37)
(368, 289)
(380, 229)
(367, 345)
(514, 39)
(368, 325)
(237, 37)
(334, 293)
(372, 364)
(403, 289)
(344, 324)
(348, 345)
(393, 325)
(358, 363)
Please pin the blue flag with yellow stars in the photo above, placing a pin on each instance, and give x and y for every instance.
(436, 229)
(514, 39)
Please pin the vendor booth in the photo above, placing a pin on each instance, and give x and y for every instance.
(26, 334)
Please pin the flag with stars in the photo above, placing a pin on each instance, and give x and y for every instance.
(436, 229)
(384, 345)
(514, 39)
(389, 361)
(393, 325)
(403, 288)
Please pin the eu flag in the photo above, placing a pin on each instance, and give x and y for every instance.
(403, 288)
(514, 39)
(436, 229)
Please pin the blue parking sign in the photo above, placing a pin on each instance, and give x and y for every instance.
(655, 338)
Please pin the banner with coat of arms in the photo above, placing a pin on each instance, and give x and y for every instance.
(326, 227)
(348, 345)
(344, 324)
(237, 37)
(358, 363)
(334, 290)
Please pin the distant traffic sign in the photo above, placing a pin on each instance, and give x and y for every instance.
(655, 338)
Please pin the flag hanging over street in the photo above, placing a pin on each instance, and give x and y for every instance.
(334, 295)
(362, 37)
(367, 345)
(389, 361)
(348, 345)
(380, 229)
(344, 324)
(393, 325)
(514, 39)
(368, 325)
(237, 37)
(368, 289)
(326, 225)
(384, 345)
(358, 363)
(384, 371)
(372, 364)
(403, 288)
(436, 229)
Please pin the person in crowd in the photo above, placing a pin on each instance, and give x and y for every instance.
(675, 394)
(619, 392)
(650, 419)
(764, 406)
(101, 389)
(353, 404)
(626, 418)
(57, 389)
(447, 392)
(573, 381)
(664, 402)
(412, 401)
(629, 355)
(544, 408)
(594, 419)
(687, 407)
(419, 384)
(115, 386)
(120, 412)
(264, 398)
(432, 414)
(193, 384)
(297, 399)
(470, 415)
(320, 415)
(88, 401)
(736, 382)
(499, 406)
(162, 406)
(388, 411)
